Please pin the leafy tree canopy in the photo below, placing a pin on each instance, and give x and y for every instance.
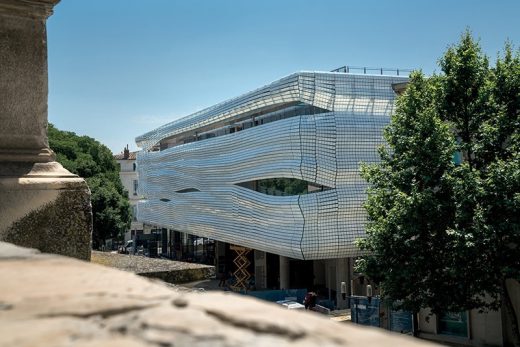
(444, 203)
(93, 161)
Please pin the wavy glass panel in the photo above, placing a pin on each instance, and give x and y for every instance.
(195, 187)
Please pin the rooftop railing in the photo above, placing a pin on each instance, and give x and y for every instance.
(373, 70)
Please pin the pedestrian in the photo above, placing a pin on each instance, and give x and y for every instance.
(230, 280)
(310, 300)
(222, 278)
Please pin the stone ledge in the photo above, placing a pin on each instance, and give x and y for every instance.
(49, 300)
(170, 271)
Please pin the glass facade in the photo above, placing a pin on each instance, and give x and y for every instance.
(310, 126)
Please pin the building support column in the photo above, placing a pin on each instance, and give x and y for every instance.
(260, 269)
(43, 205)
(342, 275)
(220, 258)
(284, 272)
(330, 276)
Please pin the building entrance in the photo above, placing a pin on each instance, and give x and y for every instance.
(301, 274)
(272, 271)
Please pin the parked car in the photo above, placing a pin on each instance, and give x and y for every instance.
(128, 248)
(291, 305)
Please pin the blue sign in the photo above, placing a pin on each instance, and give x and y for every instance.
(364, 310)
(401, 321)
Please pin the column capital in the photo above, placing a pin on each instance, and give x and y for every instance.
(28, 8)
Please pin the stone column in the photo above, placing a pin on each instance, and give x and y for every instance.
(284, 273)
(42, 205)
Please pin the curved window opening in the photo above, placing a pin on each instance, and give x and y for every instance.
(165, 200)
(283, 186)
(188, 190)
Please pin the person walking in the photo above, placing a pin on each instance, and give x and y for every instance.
(310, 300)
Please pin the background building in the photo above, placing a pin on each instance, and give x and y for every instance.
(129, 179)
(276, 171)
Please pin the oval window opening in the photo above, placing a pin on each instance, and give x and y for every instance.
(283, 186)
(188, 190)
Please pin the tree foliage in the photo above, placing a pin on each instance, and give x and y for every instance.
(444, 234)
(93, 161)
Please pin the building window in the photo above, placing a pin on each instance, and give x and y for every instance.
(134, 166)
(134, 213)
(458, 156)
(453, 323)
(135, 186)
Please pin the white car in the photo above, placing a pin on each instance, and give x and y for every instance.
(291, 305)
(129, 247)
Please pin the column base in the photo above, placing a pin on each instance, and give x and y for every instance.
(42, 155)
(46, 207)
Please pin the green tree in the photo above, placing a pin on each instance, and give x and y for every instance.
(93, 161)
(441, 234)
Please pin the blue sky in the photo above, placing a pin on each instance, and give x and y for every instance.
(119, 68)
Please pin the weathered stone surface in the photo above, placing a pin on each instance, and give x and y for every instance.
(60, 225)
(165, 270)
(23, 86)
(42, 205)
(48, 300)
(46, 207)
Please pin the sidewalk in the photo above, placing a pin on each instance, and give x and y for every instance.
(212, 285)
(340, 315)
(207, 284)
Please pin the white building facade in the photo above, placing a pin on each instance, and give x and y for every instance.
(325, 125)
(129, 178)
(200, 174)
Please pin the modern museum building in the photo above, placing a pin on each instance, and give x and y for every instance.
(272, 178)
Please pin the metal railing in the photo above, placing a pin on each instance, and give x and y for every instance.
(373, 70)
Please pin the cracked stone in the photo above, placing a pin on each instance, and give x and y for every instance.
(49, 300)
